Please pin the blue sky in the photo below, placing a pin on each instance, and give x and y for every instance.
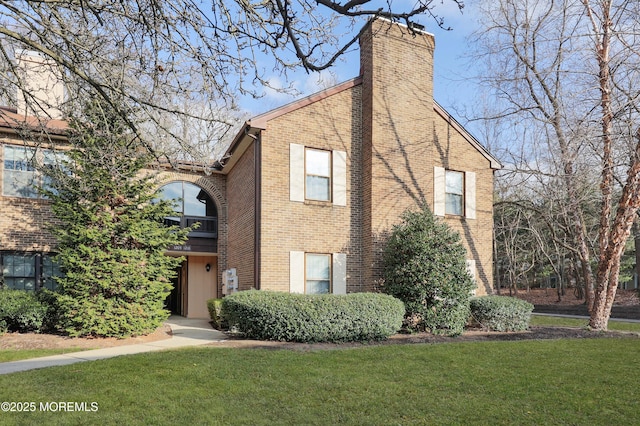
(450, 68)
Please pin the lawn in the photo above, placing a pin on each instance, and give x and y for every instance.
(555, 321)
(7, 355)
(581, 381)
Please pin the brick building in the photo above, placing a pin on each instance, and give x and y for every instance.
(306, 194)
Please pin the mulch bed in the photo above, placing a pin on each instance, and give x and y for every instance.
(545, 300)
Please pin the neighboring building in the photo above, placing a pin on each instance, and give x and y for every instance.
(306, 194)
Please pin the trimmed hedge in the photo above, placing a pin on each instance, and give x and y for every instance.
(268, 315)
(501, 313)
(215, 306)
(21, 311)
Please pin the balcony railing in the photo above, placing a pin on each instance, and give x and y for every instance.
(208, 227)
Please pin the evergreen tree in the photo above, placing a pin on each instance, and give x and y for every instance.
(110, 233)
(425, 267)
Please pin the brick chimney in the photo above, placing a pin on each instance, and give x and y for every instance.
(42, 80)
(397, 107)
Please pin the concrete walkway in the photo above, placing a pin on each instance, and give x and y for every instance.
(185, 332)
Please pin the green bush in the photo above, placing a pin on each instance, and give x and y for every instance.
(267, 315)
(51, 321)
(501, 313)
(425, 266)
(21, 311)
(215, 306)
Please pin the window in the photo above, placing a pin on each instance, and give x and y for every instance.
(317, 175)
(192, 205)
(20, 177)
(454, 193)
(50, 270)
(28, 271)
(19, 173)
(318, 274)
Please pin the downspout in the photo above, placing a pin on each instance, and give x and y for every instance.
(257, 159)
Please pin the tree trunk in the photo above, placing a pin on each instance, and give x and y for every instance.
(609, 265)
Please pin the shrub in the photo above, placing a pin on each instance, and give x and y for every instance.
(267, 315)
(215, 306)
(501, 313)
(425, 267)
(51, 321)
(21, 311)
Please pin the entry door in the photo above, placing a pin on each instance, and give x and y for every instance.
(177, 301)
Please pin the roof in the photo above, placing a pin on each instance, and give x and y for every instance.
(495, 164)
(13, 122)
(260, 121)
(254, 125)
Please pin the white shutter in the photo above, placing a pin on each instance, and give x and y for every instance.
(339, 178)
(339, 269)
(296, 172)
(471, 269)
(439, 186)
(470, 195)
(296, 272)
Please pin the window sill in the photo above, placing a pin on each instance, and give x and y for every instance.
(318, 203)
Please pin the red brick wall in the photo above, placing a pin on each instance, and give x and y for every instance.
(330, 124)
(407, 139)
(23, 221)
(397, 71)
(241, 200)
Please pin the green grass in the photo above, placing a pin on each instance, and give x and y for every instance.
(580, 382)
(7, 355)
(550, 320)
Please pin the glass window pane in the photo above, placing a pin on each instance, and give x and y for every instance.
(17, 183)
(19, 172)
(55, 161)
(195, 200)
(318, 162)
(318, 287)
(50, 270)
(455, 182)
(318, 268)
(19, 265)
(28, 284)
(454, 204)
(317, 188)
(13, 283)
(173, 191)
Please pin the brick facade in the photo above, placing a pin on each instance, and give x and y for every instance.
(311, 226)
(242, 210)
(24, 222)
(392, 136)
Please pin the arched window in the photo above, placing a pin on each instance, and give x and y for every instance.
(192, 205)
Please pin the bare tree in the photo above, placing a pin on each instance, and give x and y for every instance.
(571, 68)
(153, 60)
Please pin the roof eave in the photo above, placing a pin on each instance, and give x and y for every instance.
(495, 164)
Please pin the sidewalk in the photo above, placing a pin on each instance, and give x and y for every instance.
(185, 332)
